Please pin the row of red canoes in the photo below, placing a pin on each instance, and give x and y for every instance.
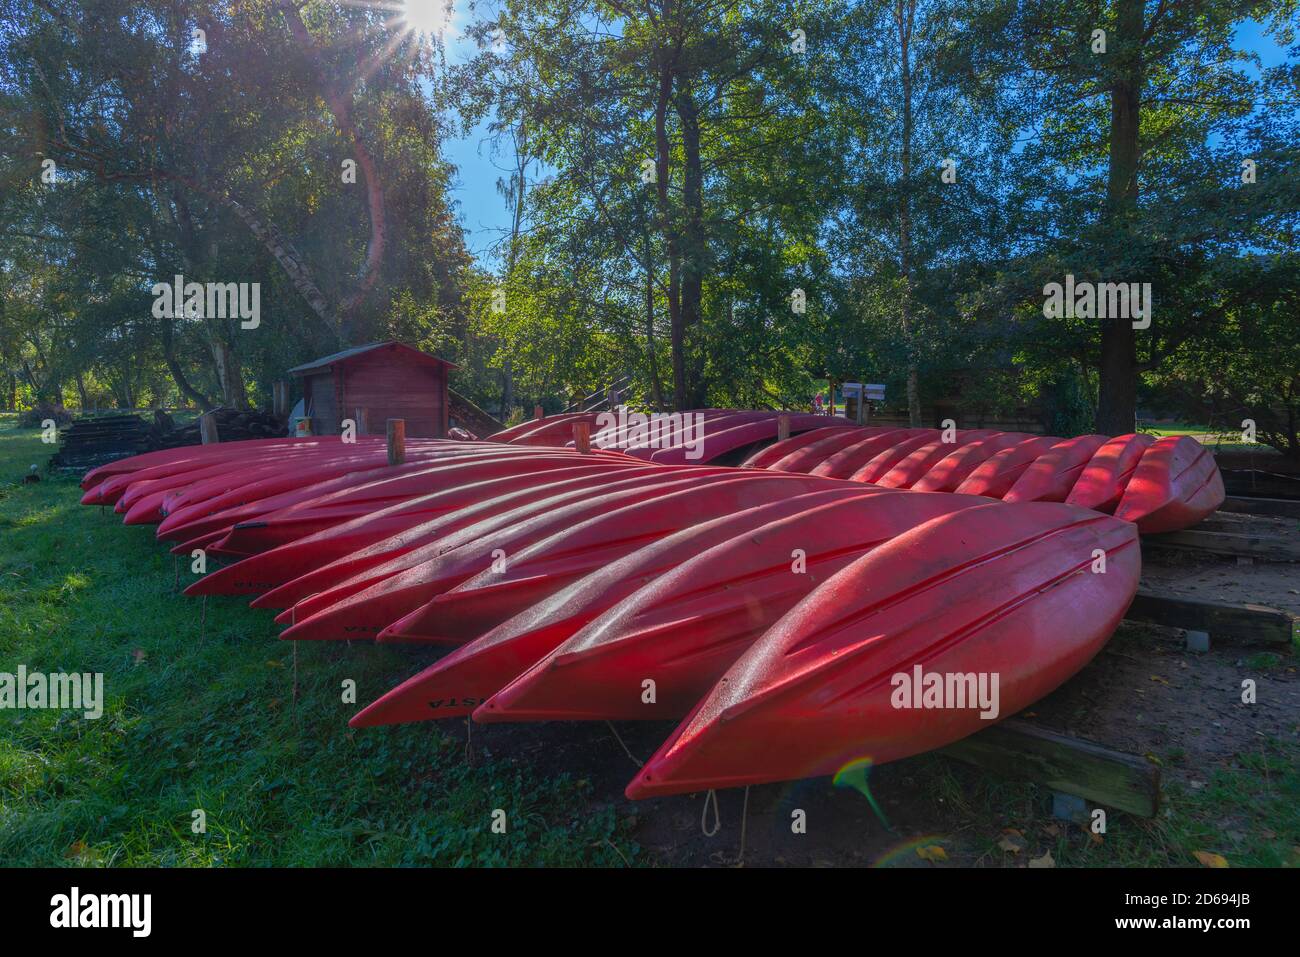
(1159, 484)
(769, 610)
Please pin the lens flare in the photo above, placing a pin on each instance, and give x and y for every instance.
(428, 18)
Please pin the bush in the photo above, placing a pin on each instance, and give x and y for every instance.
(34, 417)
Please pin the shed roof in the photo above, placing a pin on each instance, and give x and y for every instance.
(348, 355)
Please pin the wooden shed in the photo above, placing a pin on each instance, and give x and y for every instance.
(383, 380)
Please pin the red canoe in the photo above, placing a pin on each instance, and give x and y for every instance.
(1175, 485)
(684, 630)
(950, 471)
(368, 612)
(996, 474)
(1052, 475)
(531, 574)
(462, 680)
(356, 570)
(1103, 480)
(1001, 592)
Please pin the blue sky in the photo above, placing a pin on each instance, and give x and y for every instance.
(483, 211)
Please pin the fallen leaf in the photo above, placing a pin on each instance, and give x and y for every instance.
(1044, 861)
(1012, 841)
(1210, 860)
(1158, 678)
(932, 852)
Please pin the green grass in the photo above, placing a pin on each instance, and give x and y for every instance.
(1223, 440)
(210, 724)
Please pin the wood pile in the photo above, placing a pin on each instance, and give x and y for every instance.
(93, 440)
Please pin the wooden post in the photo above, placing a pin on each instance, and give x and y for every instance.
(782, 427)
(208, 429)
(363, 427)
(582, 436)
(280, 399)
(538, 413)
(396, 441)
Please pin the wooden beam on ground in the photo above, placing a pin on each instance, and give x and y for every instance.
(1017, 749)
(1268, 547)
(396, 441)
(1284, 507)
(538, 413)
(1254, 623)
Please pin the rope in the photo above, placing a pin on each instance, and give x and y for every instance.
(635, 760)
(744, 819)
(704, 814)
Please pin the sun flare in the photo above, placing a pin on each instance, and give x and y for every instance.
(428, 18)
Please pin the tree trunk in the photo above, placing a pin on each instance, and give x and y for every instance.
(694, 246)
(656, 387)
(1117, 382)
(677, 337)
(340, 106)
(905, 13)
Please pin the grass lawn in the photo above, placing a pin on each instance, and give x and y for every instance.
(211, 725)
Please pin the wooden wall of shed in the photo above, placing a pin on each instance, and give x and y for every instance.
(320, 403)
(389, 387)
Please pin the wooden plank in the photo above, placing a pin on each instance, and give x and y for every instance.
(1219, 619)
(1273, 548)
(582, 436)
(396, 441)
(208, 429)
(1017, 749)
(1287, 508)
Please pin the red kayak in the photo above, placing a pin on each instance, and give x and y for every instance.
(1052, 475)
(334, 580)
(917, 463)
(271, 568)
(1102, 482)
(767, 456)
(271, 522)
(1175, 485)
(453, 559)
(684, 630)
(849, 459)
(497, 594)
(899, 653)
(808, 456)
(995, 475)
(201, 510)
(950, 471)
(462, 680)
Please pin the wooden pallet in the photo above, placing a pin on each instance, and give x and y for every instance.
(1260, 546)
(1018, 749)
(1250, 505)
(1221, 620)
